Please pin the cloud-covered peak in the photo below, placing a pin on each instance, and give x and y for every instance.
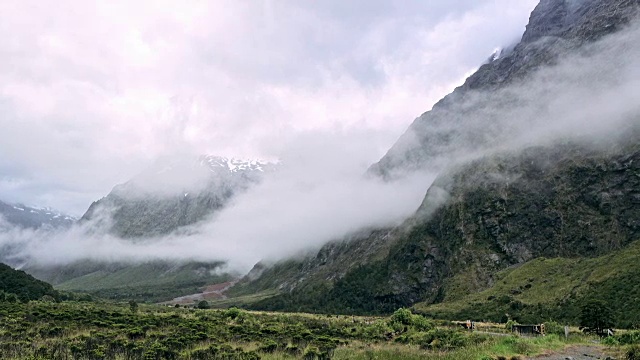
(234, 165)
(90, 93)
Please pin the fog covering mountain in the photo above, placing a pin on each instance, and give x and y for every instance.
(477, 114)
(537, 155)
(173, 193)
(33, 218)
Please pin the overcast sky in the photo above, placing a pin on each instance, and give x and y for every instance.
(92, 92)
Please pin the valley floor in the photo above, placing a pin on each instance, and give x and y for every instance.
(75, 330)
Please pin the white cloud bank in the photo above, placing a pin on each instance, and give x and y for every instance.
(322, 195)
(92, 91)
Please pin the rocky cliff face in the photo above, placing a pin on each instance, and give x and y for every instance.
(570, 197)
(563, 201)
(174, 193)
(569, 200)
(556, 28)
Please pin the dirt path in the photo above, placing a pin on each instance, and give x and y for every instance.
(580, 352)
(211, 292)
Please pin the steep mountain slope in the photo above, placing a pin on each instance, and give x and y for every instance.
(491, 208)
(331, 262)
(568, 201)
(33, 218)
(549, 288)
(464, 122)
(174, 193)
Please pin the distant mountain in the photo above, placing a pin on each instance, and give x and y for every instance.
(33, 218)
(150, 281)
(169, 196)
(174, 193)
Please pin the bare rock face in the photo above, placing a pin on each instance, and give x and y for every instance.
(578, 19)
(556, 28)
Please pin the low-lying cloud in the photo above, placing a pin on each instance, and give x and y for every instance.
(321, 194)
(93, 92)
(318, 194)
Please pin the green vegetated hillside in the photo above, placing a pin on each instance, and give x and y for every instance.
(18, 285)
(564, 201)
(544, 289)
(152, 281)
(574, 199)
(331, 262)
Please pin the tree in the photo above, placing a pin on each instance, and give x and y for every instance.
(596, 317)
(133, 306)
(11, 298)
(203, 305)
(48, 298)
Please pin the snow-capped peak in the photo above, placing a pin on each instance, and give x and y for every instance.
(33, 216)
(233, 165)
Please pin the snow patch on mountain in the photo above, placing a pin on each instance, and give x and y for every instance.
(233, 165)
(33, 216)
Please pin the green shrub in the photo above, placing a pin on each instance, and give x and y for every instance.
(509, 325)
(552, 327)
(377, 331)
(446, 339)
(268, 347)
(312, 353)
(292, 350)
(628, 338)
(421, 323)
(402, 316)
(204, 304)
(610, 341)
(633, 353)
(518, 344)
(133, 306)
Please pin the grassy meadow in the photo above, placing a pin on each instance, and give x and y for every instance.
(76, 330)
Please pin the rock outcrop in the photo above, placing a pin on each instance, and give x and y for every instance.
(556, 28)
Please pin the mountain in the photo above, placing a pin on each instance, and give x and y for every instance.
(174, 193)
(24, 286)
(150, 281)
(464, 122)
(33, 218)
(502, 201)
(169, 196)
(549, 288)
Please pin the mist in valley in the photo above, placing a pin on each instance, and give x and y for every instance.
(322, 190)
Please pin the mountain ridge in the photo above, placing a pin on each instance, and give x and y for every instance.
(174, 193)
(29, 217)
(552, 31)
(571, 197)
